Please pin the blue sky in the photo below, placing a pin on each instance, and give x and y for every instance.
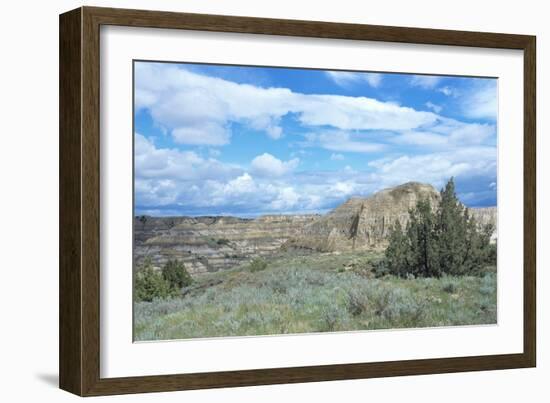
(238, 140)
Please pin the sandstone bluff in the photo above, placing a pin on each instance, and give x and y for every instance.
(208, 244)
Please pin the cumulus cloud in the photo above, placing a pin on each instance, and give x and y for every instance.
(198, 109)
(170, 181)
(241, 184)
(204, 133)
(162, 174)
(200, 112)
(347, 78)
(435, 168)
(173, 164)
(287, 198)
(360, 113)
(267, 165)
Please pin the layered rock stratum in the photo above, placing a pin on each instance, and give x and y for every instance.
(208, 244)
(364, 223)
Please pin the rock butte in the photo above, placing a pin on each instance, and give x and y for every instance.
(207, 244)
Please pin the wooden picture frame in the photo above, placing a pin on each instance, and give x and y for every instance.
(79, 348)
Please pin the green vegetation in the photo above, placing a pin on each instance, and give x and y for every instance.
(175, 273)
(316, 293)
(151, 284)
(444, 241)
(214, 243)
(257, 264)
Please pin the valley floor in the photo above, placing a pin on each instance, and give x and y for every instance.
(315, 293)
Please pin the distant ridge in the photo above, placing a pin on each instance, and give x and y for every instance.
(212, 243)
(363, 223)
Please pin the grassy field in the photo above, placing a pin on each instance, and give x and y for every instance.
(315, 293)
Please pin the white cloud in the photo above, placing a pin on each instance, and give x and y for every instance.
(287, 198)
(347, 78)
(204, 133)
(349, 169)
(470, 134)
(360, 113)
(144, 99)
(170, 181)
(374, 79)
(426, 82)
(274, 132)
(198, 109)
(422, 139)
(165, 163)
(267, 165)
(343, 188)
(436, 168)
(241, 184)
(269, 124)
(448, 91)
(162, 174)
(342, 141)
(481, 102)
(434, 107)
(448, 134)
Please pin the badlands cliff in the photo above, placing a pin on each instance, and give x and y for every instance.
(207, 244)
(364, 223)
(213, 243)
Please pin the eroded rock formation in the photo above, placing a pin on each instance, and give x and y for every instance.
(364, 223)
(215, 243)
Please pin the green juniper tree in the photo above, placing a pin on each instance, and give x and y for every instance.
(452, 229)
(444, 240)
(422, 242)
(479, 250)
(150, 285)
(175, 273)
(397, 254)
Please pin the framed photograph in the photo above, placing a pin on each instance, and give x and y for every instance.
(249, 201)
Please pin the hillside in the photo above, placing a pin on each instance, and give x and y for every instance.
(207, 244)
(323, 292)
